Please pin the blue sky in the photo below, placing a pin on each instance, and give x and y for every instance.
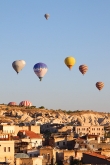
(75, 28)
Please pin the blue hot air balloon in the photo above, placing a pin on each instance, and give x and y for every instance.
(40, 70)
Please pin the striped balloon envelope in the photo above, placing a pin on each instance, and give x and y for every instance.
(25, 103)
(99, 85)
(12, 103)
(83, 69)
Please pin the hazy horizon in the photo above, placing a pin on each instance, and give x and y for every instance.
(76, 28)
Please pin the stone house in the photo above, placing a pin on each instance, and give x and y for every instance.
(31, 161)
(6, 149)
(92, 130)
(95, 158)
(30, 136)
(14, 129)
(63, 141)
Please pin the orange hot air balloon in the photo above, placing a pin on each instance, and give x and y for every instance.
(83, 69)
(99, 85)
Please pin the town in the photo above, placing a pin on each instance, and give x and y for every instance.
(54, 82)
(37, 136)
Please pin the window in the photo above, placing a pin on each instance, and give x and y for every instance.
(4, 149)
(57, 143)
(8, 149)
(63, 143)
(48, 156)
(6, 136)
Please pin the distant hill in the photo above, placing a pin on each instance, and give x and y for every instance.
(16, 114)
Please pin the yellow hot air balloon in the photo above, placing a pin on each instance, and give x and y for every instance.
(70, 62)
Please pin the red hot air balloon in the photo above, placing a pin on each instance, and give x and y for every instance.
(12, 103)
(25, 103)
(99, 85)
(83, 69)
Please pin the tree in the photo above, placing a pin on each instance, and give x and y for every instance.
(42, 107)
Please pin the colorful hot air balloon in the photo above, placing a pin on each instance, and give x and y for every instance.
(40, 70)
(47, 16)
(25, 103)
(12, 103)
(99, 85)
(18, 65)
(83, 69)
(70, 62)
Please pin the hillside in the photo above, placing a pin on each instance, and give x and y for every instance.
(16, 114)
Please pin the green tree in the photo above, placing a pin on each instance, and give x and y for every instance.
(42, 107)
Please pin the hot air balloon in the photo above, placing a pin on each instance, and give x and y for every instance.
(83, 69)
(40, 70)
(12, 103)
(47, 16)
(25, 103)
(99, 85)
(70, 61)
(18, 65)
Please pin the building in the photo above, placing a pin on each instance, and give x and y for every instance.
(66, 129)
(51, 127)
(14, 129)
(93, 130)
(95, 158)
(63, 141)
(6, 149)
(47, 153)
(31, 161)
(30, 137)
(33, 152)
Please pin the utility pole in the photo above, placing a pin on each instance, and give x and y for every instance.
(35, 120)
